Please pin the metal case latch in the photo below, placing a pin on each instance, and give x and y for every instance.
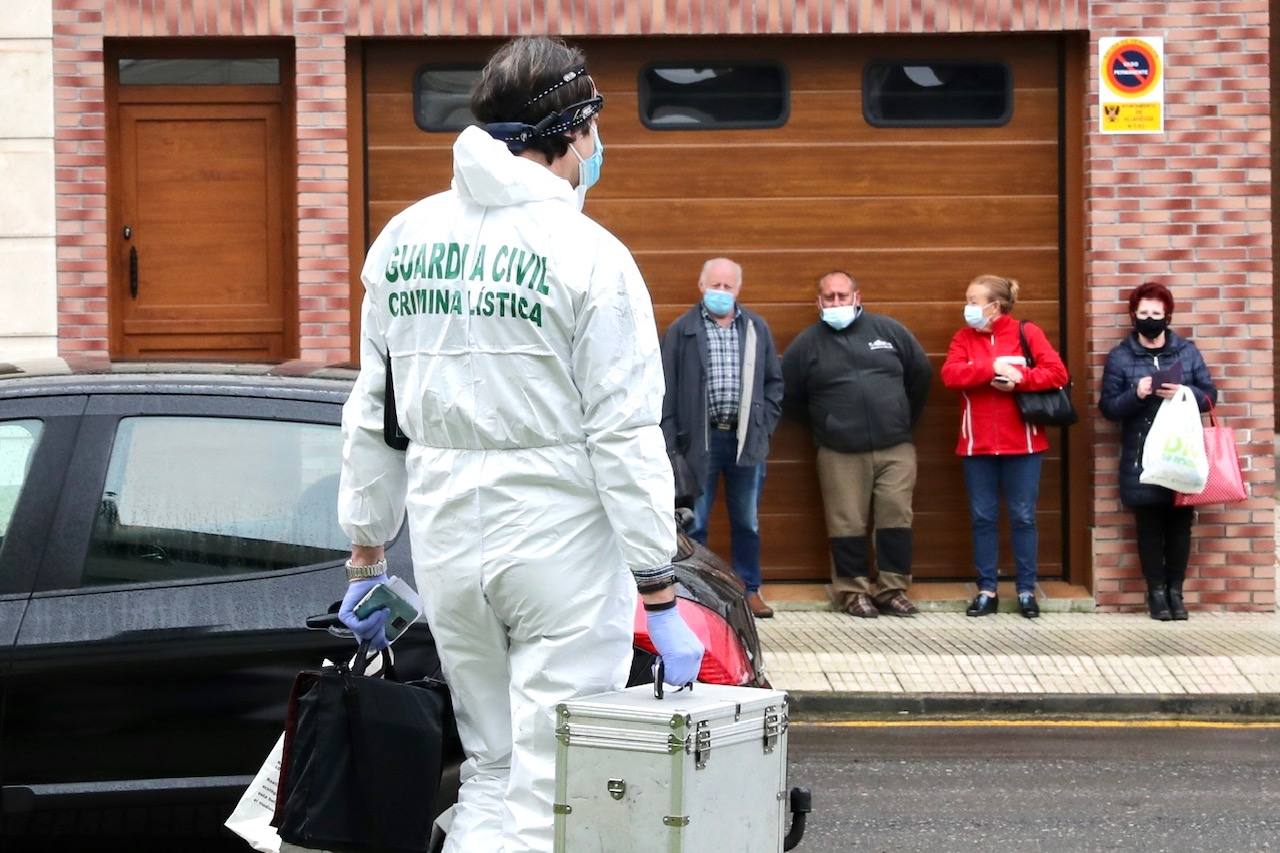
(772, 727)
(702, 745)
(617, 788)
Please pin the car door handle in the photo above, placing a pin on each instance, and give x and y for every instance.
(331, 623)
(133, 271)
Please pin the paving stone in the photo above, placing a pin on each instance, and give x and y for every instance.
(1074, 653)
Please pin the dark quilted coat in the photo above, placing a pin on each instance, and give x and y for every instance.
(1127, 363)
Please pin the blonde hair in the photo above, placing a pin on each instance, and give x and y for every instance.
(1003, 291)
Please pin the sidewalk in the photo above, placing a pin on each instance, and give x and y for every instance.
(1215, 664)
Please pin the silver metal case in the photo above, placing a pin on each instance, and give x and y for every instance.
(697, 772)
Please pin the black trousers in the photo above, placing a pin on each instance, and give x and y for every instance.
(1164, 543)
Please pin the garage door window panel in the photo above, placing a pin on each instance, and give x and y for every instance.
(18, 441)
(197, 497)
(937, 94)
(442, 97)
(719, 96)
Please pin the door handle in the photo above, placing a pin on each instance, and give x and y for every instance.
(133, 271)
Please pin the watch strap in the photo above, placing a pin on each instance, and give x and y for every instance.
(372, 570)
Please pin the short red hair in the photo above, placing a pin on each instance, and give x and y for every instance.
(1151, 290)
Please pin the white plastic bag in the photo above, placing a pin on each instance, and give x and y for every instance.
(251, 819)
(1173, 455)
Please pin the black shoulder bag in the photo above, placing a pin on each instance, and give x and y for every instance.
(361, 761)
(1047, 408)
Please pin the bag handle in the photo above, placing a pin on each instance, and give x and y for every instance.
(1022, 337)
(362, 660)
(1213, 418)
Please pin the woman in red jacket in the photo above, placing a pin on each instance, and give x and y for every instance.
(1000, 452)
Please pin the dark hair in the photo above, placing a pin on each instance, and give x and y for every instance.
(520, 70)
(1151, 290)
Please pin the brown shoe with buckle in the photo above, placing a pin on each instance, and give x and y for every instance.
(759, 608)
(862, 606)
(897, 604)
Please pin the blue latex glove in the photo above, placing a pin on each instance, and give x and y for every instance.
(679, 647)
(372, 627)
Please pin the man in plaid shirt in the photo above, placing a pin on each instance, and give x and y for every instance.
(724, 399)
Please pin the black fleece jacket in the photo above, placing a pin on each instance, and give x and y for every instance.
(861, 388)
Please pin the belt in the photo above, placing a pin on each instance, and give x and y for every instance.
(726, 426)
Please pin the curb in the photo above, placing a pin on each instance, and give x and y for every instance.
(826, 705)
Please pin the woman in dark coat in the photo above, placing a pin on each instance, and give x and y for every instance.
(1128, 396)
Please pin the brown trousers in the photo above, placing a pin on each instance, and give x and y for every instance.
(857, 488)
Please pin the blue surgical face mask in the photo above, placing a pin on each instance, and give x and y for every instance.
(840, 316)
(974, 316)
(589, 169)
(718, 302)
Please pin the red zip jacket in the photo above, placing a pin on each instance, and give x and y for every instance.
(990, 424)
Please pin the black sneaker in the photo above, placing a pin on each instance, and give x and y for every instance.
(983, 604)
(1027, 604)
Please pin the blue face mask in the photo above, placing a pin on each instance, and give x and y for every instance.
(840, 316)
(973, 315)
(718, 302)
(589, 169)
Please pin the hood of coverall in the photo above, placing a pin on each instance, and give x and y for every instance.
(486, 173)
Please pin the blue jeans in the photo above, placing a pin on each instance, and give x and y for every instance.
(1018, 478)
(742, 485)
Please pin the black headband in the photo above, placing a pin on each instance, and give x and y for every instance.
(520, 136)
(565, 79)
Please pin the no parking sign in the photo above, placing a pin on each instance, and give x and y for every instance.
(1131, 86)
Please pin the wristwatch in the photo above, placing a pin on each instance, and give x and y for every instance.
(359, 573)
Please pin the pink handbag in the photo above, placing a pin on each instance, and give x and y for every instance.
(1226, 483)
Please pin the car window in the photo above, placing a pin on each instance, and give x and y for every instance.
(17, 447)
(205, 497)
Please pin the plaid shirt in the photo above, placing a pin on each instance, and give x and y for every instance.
(724, 369)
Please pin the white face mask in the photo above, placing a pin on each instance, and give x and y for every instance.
(840, 316)
(975, 316)
(589, 169)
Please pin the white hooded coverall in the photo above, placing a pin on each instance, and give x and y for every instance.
(528, 380)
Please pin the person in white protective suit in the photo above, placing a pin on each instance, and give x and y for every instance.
(528, 381)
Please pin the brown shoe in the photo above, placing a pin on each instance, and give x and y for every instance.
(759, 609)
(862, 606)
(897, 604)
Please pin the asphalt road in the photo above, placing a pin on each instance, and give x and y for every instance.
(1129, 787)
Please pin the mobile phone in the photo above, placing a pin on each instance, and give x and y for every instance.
(399, 598)
(1171, 375)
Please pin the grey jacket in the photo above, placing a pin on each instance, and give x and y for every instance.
(685, 423)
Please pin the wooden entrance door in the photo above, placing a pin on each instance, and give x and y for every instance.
(200, 233)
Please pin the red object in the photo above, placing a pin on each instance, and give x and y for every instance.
(989, 419)
(1226, 483)
(725, 661)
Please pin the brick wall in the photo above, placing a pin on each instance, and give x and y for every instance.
(80, 162)
(1191, 209)
(323, 275)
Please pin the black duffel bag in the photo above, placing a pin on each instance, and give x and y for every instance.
(1047, 408)
(361, 760)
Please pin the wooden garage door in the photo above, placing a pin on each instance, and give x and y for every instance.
(913, 213)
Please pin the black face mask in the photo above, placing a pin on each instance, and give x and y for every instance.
(1151, 327)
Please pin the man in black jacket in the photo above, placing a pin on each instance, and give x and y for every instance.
(723, 401)
(860, 381)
